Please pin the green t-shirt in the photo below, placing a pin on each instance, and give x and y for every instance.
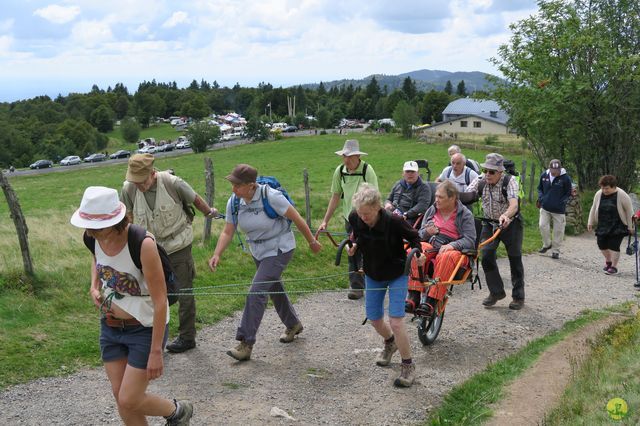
(348, 184)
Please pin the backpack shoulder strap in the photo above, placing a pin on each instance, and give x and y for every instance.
(449, 172)
(169, 183)
(135, 237)
(364, 171)
(467, 176)
(505, 184)
(265, 197)
(235, 207)
(90, 242)
(481, 184)
(342, 173)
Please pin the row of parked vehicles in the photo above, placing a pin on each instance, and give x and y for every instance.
(72, 160)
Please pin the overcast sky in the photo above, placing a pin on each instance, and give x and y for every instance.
(57, 47)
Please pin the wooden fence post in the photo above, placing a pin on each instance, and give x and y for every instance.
(532, 183)
(307, 202)
(523, 177)
(20, 223)
(209, 195)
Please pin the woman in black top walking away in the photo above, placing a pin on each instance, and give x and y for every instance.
(611, 215)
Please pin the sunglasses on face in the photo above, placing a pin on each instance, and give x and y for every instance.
(489, 172)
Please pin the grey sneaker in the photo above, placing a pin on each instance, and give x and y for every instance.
(185, 414)
(290, 333)
(384, 358)
(407, 376)
(242, 352)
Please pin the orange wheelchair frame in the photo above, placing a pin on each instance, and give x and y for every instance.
(429, 325)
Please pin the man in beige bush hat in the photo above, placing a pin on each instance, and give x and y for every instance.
(498, 192)
(160, 202)
(347, 178)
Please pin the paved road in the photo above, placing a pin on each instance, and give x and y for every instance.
(223, 144)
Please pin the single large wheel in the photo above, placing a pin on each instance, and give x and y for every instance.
(429, 328)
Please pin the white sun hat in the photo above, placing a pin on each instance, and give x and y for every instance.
(100, 208)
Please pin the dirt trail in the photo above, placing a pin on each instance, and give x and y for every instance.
(328, 375)
(542, 384)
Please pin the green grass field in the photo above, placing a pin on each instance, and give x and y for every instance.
(158, 131)
(50, 326)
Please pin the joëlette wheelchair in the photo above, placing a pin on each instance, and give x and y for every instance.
(421, 280)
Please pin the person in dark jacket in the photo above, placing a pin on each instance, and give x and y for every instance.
(380, 235)
(410, 197)
(554, 190)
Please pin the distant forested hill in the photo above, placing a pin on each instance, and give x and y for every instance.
(425, 80)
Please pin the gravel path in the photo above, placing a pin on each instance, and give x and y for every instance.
(328, 375)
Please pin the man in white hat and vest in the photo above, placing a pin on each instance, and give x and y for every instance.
(347, 178)
(160, 202)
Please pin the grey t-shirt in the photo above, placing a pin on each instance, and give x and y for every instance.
(265, 235)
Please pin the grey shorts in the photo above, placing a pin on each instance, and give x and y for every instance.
(131, 342)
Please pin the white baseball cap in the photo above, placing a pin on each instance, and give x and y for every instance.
(410, 166)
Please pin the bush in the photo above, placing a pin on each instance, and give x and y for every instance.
(491, 140)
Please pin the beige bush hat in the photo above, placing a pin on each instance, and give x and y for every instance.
(140, 167)
(351, 147)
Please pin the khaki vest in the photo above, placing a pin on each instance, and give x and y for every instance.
(168, 221)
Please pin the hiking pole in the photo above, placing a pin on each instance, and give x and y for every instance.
(635, 246)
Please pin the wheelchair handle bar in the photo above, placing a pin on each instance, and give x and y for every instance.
(407, 265)
(343, 243)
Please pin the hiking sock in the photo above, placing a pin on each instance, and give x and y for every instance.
(407, 361)
(176, 413)
(390, 340)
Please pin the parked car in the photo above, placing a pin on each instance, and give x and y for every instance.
(166, 147)
(290, 129)
(149, 149)
(70, 160)
(41, 164)
(183, 145)
(120, 154)
(94, 158)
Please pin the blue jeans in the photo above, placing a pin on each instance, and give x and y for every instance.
(374, 297)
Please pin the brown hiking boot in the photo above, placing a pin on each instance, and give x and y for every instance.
(516, 304)
(492, 299)
(407, 376)
(355, 294)
(242, 352)
(384, 358)
(290, 333)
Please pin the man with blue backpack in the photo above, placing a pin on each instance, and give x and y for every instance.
(347, 178)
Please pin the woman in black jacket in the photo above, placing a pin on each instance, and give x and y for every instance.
(381, 236)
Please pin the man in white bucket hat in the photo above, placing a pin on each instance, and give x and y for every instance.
(347, 178)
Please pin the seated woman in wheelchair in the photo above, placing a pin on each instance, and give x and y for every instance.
(447, 229)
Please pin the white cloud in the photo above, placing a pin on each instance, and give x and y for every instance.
(58, 14)
(177, 18)
(91, 33)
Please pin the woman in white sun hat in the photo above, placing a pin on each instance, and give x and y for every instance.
(133, 307)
